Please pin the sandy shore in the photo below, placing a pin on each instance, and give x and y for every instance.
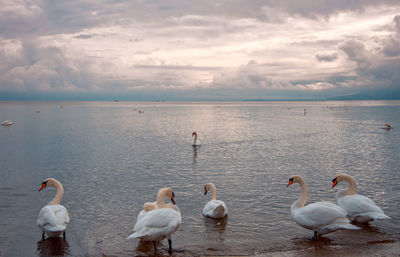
(372, 249)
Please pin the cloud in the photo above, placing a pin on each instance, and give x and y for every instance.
(326, 57)
(174, 47)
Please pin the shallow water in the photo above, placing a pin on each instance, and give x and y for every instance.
(111, 159)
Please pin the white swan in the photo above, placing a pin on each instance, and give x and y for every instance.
(321, 217)
(7, 123)
(214, 208)
(53, 218)
(359, 208)
(195, 141)
(160, 220)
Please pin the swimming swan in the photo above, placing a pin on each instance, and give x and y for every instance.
(359, 208)
(160, 222)
(53, 218)
(321, 217)
(214, 208)
(7, 123)
(195, 142)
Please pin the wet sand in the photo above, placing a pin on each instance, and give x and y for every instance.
(382, 248)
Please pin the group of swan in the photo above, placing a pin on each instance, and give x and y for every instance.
(325, 217)
(159, 220)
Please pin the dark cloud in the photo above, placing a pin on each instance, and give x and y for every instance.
(356, 51)
(326, 57)
(392, 47)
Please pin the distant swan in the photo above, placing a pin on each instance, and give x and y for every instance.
(158, 222)
(53, 218)
(321, 217)
(195, 142)
(214, 208)
(359, 208)
(7, 123)
(387, 126)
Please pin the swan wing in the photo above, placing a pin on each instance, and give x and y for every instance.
(318, 214)
(355, 204)
(157, 224)
(215, 209)
(53, 218)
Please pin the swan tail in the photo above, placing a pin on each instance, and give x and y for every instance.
(134, 235)
(219, 211)
(55, 229)
(349, 226)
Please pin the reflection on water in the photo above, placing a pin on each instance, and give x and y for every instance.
(194, 153)
(215, 228)
(53, 247)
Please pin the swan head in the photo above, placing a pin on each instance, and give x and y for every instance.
(294, 179)
(194, 133)
(168, 193)
(339, 178)
(48, 182)
(207, 187)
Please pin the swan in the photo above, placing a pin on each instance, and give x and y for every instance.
(53, 218)
(359, 208)
(7, 123)
(160, 220)
(321, 217)
(195, 142)
(215, 208)
(387, 126)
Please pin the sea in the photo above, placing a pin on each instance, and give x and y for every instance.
(112, 157)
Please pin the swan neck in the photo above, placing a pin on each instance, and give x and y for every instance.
(214, 190)
(195, 138)
(304, 194)
(59, 194)
(352, 189)
(160, 199)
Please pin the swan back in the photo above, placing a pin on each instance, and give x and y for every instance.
(53, 219)
(215, 209)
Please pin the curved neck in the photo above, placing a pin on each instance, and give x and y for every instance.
(352, 189)
(160, 199)
(304, 193)
(59, 194)
(214, 190)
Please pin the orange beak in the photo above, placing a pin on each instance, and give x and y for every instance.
(43, 186)
(173, 199)
(290, 182)
(334, 183)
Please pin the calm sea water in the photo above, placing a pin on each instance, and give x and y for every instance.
(111, 159)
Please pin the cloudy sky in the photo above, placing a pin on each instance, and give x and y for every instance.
(208, 49)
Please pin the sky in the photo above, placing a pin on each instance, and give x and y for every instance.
(199, 50)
